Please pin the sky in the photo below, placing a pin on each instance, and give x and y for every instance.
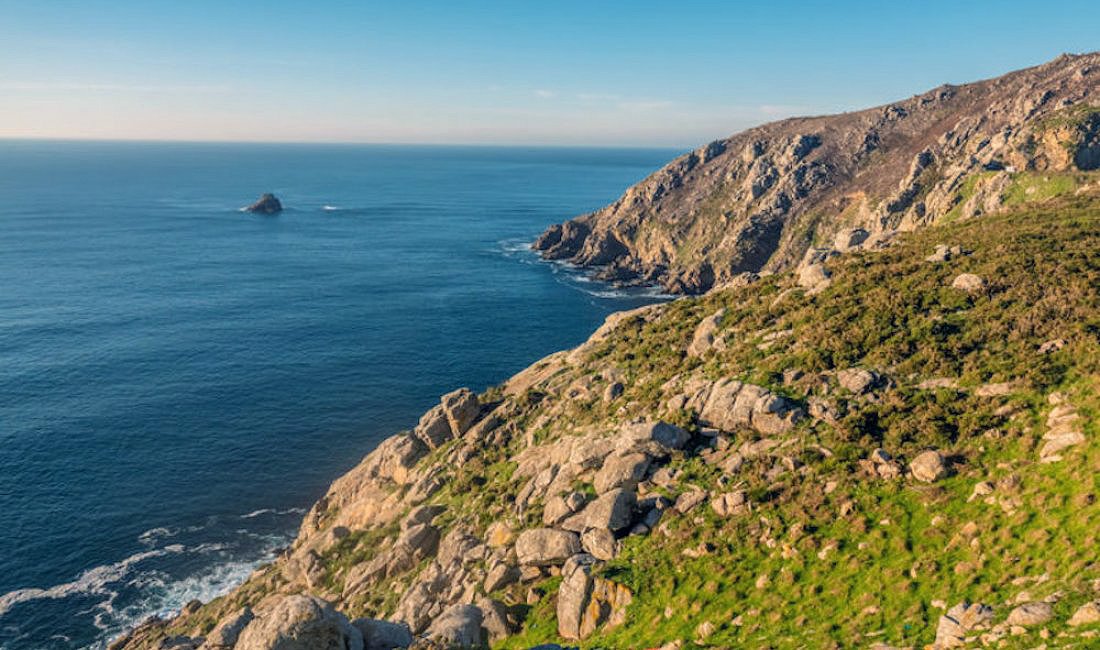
(552, 72)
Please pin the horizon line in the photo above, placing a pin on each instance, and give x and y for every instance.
(349, 143)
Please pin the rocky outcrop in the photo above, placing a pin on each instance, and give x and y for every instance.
(299, 622)
(267, 204)
(758, 200)
(587, 602)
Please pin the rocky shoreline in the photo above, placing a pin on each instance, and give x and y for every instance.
(756, 201)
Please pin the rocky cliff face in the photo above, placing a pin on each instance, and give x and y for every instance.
(898, 451)
(759, 199)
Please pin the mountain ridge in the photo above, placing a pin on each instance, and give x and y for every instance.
(758, 200)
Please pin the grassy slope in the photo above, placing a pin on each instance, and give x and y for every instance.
(827, 580)
(902, 548)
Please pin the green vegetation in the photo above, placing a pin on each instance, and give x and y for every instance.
(795, 573)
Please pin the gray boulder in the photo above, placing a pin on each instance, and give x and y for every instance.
(612, 511)
(960, 621)
(461, 408)
(969, 283)
(621, 471)
(383, 635)
(458, 626)
(546, 546)
(300, 622)
(928, 466)
(703, 340)
(1030, 614)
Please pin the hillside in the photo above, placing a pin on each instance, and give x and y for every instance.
(902, 451)
(759, 199)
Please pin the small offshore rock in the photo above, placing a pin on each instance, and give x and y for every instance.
(267, 204)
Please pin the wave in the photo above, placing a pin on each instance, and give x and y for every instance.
(273, 511)
(92, 582)
(331, 208)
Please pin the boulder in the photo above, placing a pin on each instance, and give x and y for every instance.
(495, 619)
(434, 429)
(690, 499)
(969, 283)
(499, 534)
(613, 511)
(546, 546)
(944, 253)
(728, 404)
(383, 635)
(459, 626)
(499, 576)
(928, 466)
(586, 603)
(225, 634)
(1030, 614)
(655, 438)
(703, 340)
(857, 380)
(850, 238)
(461, 408)
(621, 471)
(1086, 614)
(267, 204)
(299, 622)
(600, 543)
(730, 503)
(959, 622)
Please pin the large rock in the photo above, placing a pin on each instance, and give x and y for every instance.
(585, 602)
(434, 429)
(299, 622)
(969, 283)
(703, 340)
(458, 627)
(730, 405)
(857, 380)
(461, 408)
(1087, 614)
(225, 634)
(621, 471)
(546, 546)
(928, 466)
(960, 622)
(383, 635)
(613, 511)
(495, 621)
(1030, 614)
(267, 204)
(849, 238)
(655, 438)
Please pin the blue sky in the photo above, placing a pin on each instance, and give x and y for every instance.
(551, 72)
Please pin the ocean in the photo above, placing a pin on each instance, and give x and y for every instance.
(180, 380)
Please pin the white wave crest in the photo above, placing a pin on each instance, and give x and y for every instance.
(273, 511)
(92, 581)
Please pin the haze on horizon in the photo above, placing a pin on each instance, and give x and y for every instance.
(494, 72)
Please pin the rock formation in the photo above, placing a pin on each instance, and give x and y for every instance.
(267, 204)
(760, 199)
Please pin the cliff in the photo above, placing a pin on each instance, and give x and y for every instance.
(889, 441)
(904, 453)
(759, 199)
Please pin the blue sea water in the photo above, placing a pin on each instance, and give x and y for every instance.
(179, 380)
